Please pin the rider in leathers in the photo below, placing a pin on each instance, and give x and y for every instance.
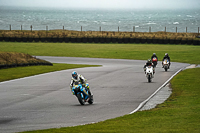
(149, 63)
(166, 57)
(154, 55)
(77, 77)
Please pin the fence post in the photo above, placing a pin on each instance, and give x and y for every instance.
(10, 27)
(63, 27)
(81, 28)
(176, 30)
(46, 30)
(149, 29)
(118, 28)
(21, 27)
(31, 27)
(186, 29)
(198, 30)
(133, 28)
(165, 29)
(100, 28)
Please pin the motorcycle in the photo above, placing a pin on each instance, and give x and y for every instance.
(82, 93)
(149, 73)
(155, 61)
(166, 64)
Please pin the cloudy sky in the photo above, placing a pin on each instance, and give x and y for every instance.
(105, 4)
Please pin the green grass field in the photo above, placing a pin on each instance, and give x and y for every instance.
(179, 114)
(178, 53)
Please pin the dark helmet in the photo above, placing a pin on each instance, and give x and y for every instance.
(166, 54)
(149, 61)
(74, 74)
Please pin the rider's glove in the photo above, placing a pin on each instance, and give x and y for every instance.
(72, 92)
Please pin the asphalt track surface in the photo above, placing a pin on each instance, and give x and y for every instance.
(45, 101)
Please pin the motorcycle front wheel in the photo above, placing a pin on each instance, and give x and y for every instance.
(91, 99)
(81, 99)
(166, 68)
(149, 78)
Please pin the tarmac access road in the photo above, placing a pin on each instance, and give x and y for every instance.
(45, 101)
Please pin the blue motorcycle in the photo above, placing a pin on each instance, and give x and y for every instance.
(82, 93)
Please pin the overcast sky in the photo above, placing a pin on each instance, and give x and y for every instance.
(106, 4)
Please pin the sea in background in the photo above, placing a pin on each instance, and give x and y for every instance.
(92, 20)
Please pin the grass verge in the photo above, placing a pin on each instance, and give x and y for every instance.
(19, 72)
(178, 53)
(179, 114)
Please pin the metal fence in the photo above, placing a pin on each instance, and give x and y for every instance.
(134, 29)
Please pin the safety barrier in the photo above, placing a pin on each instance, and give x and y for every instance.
(100, 40)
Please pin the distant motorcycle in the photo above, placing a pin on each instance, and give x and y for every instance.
(149, 73)
(82, 93)
(166, 64)
(155, 61)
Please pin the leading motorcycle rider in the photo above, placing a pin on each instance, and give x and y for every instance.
(149, 63)
(78, 78)
(154, 55)
(166, 57)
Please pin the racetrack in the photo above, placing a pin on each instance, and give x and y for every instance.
(45, 101)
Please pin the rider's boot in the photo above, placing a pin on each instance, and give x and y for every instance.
(88, 88)
(89, 91)
(86, 100)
